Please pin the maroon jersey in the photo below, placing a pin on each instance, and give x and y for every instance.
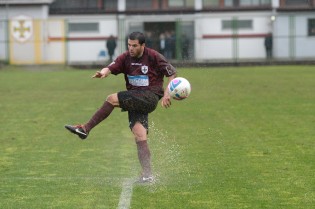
(144, 73)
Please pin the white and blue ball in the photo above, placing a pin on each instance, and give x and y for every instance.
(179, 88)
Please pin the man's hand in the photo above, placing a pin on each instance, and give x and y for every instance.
(102, 74)
(166, 100)
(98, 74)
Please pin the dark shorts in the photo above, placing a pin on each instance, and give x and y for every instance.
(138, 103)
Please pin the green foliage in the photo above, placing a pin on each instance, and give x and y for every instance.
(245, 138)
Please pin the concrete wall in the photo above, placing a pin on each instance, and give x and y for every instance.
(215, 43)
(291, 40)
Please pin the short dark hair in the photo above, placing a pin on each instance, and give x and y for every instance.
(137, 36)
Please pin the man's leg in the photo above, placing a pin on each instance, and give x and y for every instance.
(139, 104)
(102, 113)
(105, 110)
(144, 154)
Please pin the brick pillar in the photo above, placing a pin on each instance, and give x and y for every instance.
(100, 4)
(282, 3)
(221, 3)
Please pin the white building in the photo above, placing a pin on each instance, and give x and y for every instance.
(62, 31)
(20, 31)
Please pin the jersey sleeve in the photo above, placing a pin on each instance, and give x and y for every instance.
(117, 66)
(166, 68)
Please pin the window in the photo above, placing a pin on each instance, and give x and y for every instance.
(176, 3)
(82, 6)
(83, 27)
(74, 4)
(147, 5)
(242, 3)
(138, 4)
(211, 3)
(237, 24)
(254, 2)
(311, 27)
(181, 3)
(297, 2)
(230, 3)
(110, 4)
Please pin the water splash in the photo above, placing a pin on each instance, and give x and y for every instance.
(166, 157)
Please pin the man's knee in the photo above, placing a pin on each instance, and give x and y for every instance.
(140, 132)
(113, 99)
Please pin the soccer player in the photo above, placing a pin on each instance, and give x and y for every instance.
(144, 70)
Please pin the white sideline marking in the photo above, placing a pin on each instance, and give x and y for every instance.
(126, 194)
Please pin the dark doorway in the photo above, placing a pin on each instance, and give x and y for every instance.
(161, 37)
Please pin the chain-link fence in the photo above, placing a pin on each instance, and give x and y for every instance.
(204, 39)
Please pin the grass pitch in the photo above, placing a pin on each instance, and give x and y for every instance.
(245, 138)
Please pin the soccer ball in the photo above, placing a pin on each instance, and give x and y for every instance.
(179, 88)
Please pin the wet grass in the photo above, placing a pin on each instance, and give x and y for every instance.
(243, 139)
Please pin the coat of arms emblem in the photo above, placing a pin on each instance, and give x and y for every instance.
(22, 28)
(144, 69)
